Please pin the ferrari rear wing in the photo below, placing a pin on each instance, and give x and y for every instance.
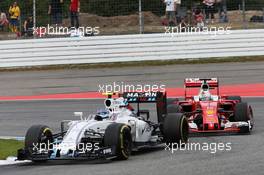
(197, 82)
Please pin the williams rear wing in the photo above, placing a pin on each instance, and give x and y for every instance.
(143, 97)
(159, 98)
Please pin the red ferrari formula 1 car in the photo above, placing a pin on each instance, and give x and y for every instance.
(209, 113)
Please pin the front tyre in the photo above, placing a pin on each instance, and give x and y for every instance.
(118, 136)
(241, 114)
(37, 138)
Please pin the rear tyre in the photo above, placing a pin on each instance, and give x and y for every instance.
(176, 128)
(37, 137)
(241, 114)
(118, 137)
(238, 98)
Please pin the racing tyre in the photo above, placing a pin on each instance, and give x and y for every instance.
(241, 112)
(234, 98)
(173, 108)
(241, 115)
(118, 136)
(176, 128)
(37, 136)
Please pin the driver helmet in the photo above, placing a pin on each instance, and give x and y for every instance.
(205, 94)
(102, 114)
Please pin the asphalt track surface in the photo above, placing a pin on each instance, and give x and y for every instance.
(68, 81)
(245, 157)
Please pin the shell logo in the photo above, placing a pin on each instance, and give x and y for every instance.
(210, 112)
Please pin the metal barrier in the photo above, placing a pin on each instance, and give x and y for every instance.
(124, 48)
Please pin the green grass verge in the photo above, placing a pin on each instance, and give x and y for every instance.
(9, 148)
(139, 63)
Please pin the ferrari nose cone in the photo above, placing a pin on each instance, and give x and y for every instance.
(211, 126)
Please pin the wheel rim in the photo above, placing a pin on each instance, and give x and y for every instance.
(127, 147)
(185, 130)
(126, 144)
(46, 137)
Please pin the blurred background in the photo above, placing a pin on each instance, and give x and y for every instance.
(136, 16)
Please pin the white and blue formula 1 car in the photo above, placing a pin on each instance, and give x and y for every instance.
(112, 134)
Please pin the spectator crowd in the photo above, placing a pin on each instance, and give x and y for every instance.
(200, 15)
(10, 19)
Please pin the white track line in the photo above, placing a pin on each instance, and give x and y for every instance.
(12, 161)
(12, 138)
